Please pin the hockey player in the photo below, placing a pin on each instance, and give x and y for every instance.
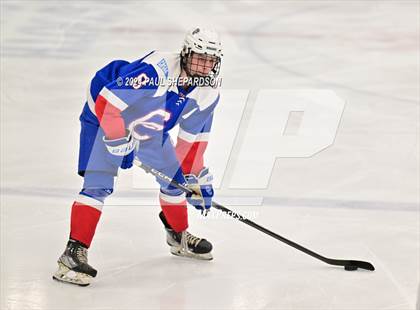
(129, 110)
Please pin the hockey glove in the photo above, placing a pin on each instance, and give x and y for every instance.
(203, 189)
(121, 151)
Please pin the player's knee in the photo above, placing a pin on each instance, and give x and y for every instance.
(99, 194)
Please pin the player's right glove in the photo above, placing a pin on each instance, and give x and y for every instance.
(121, 150)
(203, 189)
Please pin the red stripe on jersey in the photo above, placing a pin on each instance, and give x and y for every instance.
(191, 155)
(110, 118)
(84, 220)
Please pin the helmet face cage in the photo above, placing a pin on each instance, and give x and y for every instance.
(200, 64)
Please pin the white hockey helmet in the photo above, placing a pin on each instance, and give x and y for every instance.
(202, 41)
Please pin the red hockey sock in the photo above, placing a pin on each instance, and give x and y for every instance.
(84, 218)
(175, 210)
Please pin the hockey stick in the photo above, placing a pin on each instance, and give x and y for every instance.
(349, 265)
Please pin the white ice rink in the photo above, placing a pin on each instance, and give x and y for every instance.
(358, 199)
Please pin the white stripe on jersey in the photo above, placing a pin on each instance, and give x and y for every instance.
(191, 138)
(205, 96)
(113, 99)
(204, 137)
(185, 116)
(90, 101)
(185, 135)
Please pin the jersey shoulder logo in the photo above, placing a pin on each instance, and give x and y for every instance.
(164, 66)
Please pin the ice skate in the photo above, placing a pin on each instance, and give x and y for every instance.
(73, 265)
(186, 244)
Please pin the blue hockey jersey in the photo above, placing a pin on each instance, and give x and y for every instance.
(144, 97)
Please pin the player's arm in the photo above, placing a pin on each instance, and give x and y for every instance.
(192, 142)
(193, 137)
(116, 97)
(191, 146)
(121, 93)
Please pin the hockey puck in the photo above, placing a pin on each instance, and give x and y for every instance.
(350, 268)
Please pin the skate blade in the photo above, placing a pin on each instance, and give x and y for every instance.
(65, 275)
(181, 252)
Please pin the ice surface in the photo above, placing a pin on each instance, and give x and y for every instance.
(358, 199)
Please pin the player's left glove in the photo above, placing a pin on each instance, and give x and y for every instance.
(121, 146)
(203, 189)
(121, 150)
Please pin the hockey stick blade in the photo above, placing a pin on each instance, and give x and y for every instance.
(349, 265)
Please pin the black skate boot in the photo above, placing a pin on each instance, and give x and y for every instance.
(186, 244)
(73, 265)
